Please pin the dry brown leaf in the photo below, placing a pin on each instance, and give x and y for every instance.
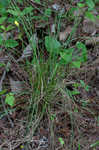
(92, 41)
(79, 12)
(63, 35)
(16, 86)
(5, 36)
(97, 23)
(89, 26)
(27, 52)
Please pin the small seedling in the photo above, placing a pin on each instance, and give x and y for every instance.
(86, 87)
(61, 141)
(53, 116)
(10, 99)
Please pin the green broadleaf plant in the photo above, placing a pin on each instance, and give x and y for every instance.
(91, 7)
(76, 64)
(86, 87)
(14, 12)
(52, 45)
(2, 64)
(80, 5)
(82, 47)
(2, 19)
(26, 11)
(90, 16)
(90, 3)
(75, 92)
(67, 55)
(48, 12)
(61, 141)
(37, 1)
(10, 99)
(11, 43)
(1, 40)
(3, 92)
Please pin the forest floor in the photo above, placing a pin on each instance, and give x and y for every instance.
(50, 112)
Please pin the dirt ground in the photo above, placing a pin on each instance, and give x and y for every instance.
(76, 118)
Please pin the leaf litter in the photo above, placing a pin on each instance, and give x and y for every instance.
(76, 118)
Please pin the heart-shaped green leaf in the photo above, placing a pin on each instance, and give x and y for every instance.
(52, 45)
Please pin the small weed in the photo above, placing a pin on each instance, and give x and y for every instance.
(10, 99)
(61, 141)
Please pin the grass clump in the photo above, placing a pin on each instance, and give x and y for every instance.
(47, 70)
